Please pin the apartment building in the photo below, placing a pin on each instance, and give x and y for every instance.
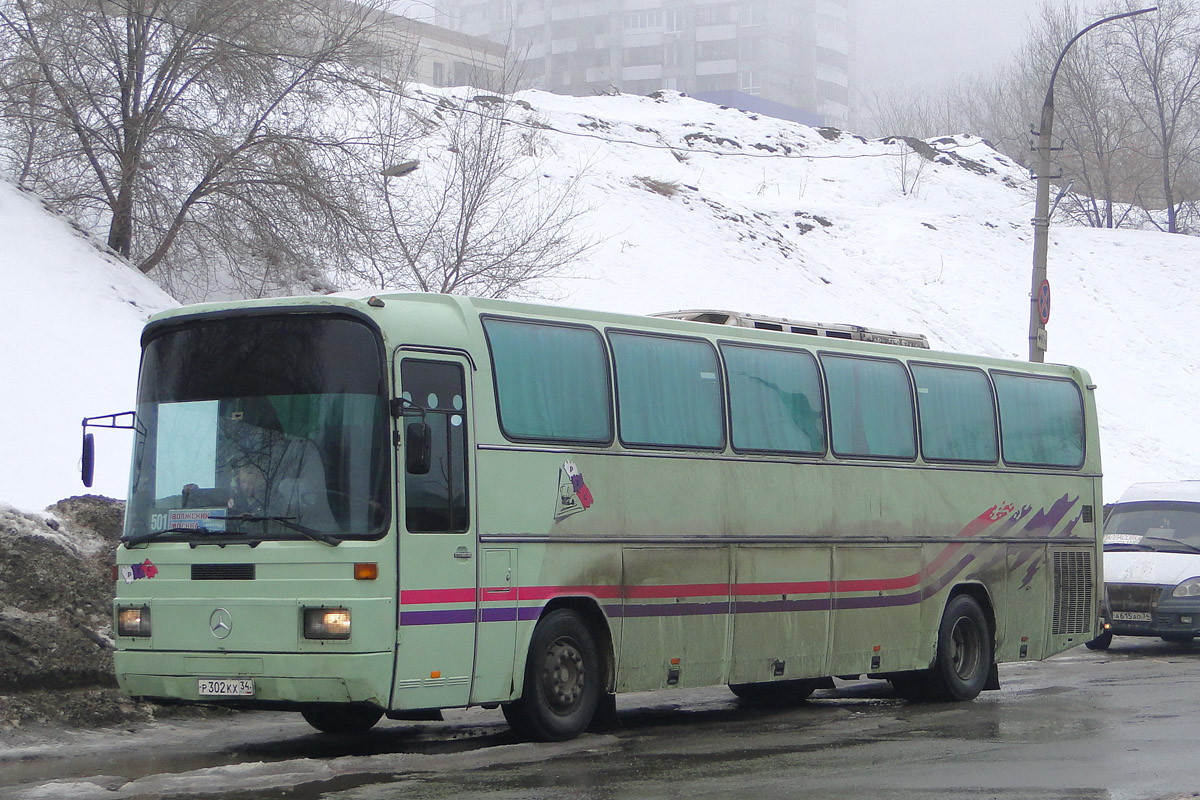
(787, 58)
(433, 55)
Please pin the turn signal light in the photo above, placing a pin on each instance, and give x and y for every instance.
(326, 623)
(366, 572)
(133, 620)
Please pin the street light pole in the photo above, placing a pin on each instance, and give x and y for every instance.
(1039, 291)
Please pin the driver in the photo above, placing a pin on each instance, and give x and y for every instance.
(248, 491)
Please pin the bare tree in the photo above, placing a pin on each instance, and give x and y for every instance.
(195, 132)
(1157, 64)
(467, 205)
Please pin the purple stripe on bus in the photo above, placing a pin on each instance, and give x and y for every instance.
(508, 614)
(674, 609)
(887, 601)
(776, 606)
(444, 617)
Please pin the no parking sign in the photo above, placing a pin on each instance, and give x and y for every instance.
(1043, 301)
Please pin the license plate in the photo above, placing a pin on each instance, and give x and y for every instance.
(1131, 616)
(226, 687)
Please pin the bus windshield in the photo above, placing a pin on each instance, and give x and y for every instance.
(260, 427)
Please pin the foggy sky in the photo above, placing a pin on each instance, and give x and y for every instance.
(929, 43)
(909, 43)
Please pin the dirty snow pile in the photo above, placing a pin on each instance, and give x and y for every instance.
(55, 615)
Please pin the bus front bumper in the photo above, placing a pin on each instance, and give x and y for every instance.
(266, 680)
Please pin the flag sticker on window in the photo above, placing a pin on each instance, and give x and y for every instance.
(573, 494)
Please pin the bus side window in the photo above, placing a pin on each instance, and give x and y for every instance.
(436, 501)
(870, 407)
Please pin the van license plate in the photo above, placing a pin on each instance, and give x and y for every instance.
(1131, 616)
(226, 687)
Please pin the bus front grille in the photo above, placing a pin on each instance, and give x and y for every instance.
(222, 572)
(1074, 604)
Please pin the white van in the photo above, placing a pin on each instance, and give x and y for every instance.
(1152, 563)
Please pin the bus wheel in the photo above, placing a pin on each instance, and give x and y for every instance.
(562, 680)
(1101, 642)
(774, 693)
(341, 718)
(964, 651)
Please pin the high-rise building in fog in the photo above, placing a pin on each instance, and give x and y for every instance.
(787, 58)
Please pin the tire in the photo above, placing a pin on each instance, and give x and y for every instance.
(964, 652)
(341, 718)
(563, 680)
(774, 693)
(1101, 642)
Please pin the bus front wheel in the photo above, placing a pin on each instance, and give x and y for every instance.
(964, 651)
(341, 718)
(562, 680)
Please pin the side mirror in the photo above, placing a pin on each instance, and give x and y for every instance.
(418, 448)
(88, 468)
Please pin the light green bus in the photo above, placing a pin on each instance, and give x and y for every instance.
(397, 504)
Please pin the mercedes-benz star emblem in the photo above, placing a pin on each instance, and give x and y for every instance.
(220, 623)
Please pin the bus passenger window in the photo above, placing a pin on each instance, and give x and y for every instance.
(668, 392)
(958, 415)
(775, 400)
(1041, 420)
(870, 407)
(436, 502)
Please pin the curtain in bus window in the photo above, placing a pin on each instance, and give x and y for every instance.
(1041, 420)
(668, 391)
(958, 415)
(551, 381)
(775, 400)
(871, 410)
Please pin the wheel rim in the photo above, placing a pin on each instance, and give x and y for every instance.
(564, 675)
(967, 648)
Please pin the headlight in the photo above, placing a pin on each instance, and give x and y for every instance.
(133, 620)
(326, 623)
(1189, 588)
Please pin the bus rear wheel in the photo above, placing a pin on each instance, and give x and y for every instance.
(563, 680)
(342, 718)
(774, 693)
(964, 651)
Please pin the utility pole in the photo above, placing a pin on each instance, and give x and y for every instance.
(1039, 290)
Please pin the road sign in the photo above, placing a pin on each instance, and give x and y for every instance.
(1043, 301)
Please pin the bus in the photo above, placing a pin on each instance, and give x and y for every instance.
(396, 504)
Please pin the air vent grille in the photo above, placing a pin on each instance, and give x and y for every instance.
(222, 572)
(1074, 604)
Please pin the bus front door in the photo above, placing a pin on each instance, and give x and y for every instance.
(436, 635)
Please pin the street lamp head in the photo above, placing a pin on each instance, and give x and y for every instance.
(400, 169)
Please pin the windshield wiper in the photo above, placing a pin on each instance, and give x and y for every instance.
(290, 524)
(1188, 546)
(133, 541)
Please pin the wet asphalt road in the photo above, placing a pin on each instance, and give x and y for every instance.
(1122, 724)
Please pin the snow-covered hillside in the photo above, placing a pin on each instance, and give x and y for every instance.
(693, 206)
(69, 325)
